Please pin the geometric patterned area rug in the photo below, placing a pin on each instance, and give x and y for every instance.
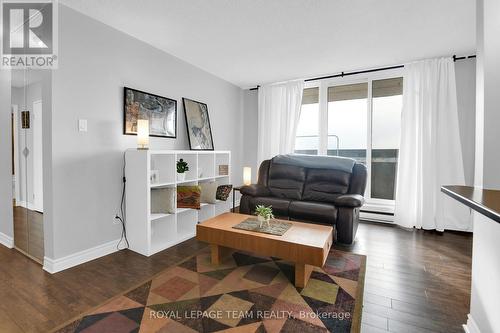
(245, 293)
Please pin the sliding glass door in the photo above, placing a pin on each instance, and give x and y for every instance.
(347, 121)
(360, 119)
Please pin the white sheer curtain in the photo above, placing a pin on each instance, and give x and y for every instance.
(430, 154)
(279, 111)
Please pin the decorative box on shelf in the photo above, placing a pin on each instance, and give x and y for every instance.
(223, 170)
(147, 170)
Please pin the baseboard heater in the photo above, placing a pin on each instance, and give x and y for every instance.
(372, 216)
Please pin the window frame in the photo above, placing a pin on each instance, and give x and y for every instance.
(373, 205)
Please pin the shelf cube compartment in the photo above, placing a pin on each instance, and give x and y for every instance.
(206, 212)
(186, 223)
(162, 169)
(163, 201)
(222, 207)
(192, 161)
(222, 164)
(206, 165)
(163, 233)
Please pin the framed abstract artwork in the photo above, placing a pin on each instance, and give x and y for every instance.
(161, 112)
(198, 125)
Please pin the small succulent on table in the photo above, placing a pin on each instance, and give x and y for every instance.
(264, 214)
(182, 167)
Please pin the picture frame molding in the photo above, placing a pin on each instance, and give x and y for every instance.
(144, 92)
(184, 99)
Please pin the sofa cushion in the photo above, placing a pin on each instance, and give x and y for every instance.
(325, 185)
(188, 196)
(223, 192)
(163, 200)
(208, 192)
(279, 205)
(313, 211)
(286, 181)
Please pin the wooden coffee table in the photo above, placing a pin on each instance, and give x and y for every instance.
(305, 244)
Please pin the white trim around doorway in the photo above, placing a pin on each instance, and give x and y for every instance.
(6, 241)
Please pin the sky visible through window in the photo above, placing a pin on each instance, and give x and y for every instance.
(348, 120)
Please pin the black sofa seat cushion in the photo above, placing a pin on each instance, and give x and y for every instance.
(279, 205)
(313, 211)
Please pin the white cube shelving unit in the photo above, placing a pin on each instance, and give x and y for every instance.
(150, 233)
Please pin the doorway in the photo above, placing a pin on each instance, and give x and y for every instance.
(27, 157)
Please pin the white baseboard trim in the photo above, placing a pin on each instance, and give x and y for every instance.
(56, 265)
(471, 326)
(22, 203)
(6, 241)
(28, 205)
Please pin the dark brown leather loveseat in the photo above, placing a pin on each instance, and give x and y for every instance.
(318, 189)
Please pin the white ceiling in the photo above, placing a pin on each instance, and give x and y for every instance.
(249, 42)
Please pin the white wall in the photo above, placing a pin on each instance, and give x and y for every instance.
(95, 63)
(489, 60)
(48, 208)
(6, 225)
(485, 293)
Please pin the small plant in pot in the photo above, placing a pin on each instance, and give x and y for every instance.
(264, 214)
(182, 167)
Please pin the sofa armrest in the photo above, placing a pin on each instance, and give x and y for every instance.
(349, 200)
(255, 190)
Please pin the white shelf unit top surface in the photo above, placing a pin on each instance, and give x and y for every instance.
(159, 152)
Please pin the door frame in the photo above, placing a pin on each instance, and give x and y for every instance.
(37, 157)
(15, 136)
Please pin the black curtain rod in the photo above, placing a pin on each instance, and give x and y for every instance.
(342, 74)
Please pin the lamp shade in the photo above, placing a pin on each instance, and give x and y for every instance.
(247, 175)
(142, 133)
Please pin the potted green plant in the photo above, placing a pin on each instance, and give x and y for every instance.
(182, 167)
(264, 214)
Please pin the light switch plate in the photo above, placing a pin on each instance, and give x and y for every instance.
(82, 125)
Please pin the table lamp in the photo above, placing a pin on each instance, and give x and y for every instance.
(247, 175)
(142, 134)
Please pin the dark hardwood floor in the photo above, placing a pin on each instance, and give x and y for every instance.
(415, 282)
